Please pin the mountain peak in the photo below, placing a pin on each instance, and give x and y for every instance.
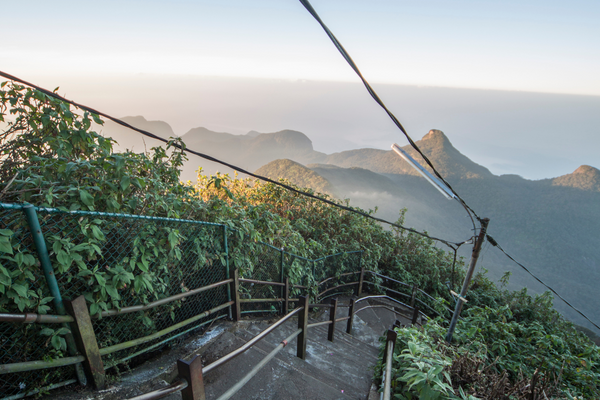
(585, 178)
(587, 170)
(435, 136)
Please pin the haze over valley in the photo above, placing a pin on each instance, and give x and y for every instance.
(548, 225)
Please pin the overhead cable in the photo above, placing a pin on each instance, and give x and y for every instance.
(374, 95)
(210, 158)
(495, 243)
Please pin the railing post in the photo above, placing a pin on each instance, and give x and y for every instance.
(351, 316)
(235, 288)
(284, 289)
(192, 372)
(227, 271)
(303, 324)
(286, 296)
(415, 315)
(360, 282)
(388, 356)
(42, 252)
(83, 330)
(332, 315)
(413, 297)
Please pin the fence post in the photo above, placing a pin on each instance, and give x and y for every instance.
(360, 281)
(286, 296)
(191, 371)
(282, 280)
(332, 315)
(85, 338)
(415, 315)
(42, 252)
(303, 324)
(235, 288)
(351, 316)
(413, 297)
(227, 271)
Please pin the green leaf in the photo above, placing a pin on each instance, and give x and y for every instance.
(47, 332)
(125, 182)
(20, 289)
(56, 342)
(64, 258)
(5, 245)
(86, 197)
(6, 232)
(98, 234)
(112, 292)
(94, 309)
(100, 279)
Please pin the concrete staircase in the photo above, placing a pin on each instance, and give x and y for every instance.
(341, 369)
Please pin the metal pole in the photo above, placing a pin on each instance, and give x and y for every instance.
(463, 292)
(42, 252)
(227, 272)
(283, 280)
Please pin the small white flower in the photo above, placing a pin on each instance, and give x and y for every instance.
(22, 385)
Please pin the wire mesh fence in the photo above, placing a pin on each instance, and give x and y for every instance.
(24, 290)
(121, 261)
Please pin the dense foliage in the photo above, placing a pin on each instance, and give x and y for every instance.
(522, 350)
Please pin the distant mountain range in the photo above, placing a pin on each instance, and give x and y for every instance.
(549, 225)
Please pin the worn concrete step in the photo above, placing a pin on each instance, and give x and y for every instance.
(286, 376)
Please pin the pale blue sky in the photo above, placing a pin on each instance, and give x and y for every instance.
(154, 58)
(545, 46)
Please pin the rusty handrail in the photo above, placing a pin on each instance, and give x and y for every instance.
(166, 300)
(31, 318)
(145, 339)
(333, 277)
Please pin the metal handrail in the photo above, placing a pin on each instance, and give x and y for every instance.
(333, 277)
(125, 345)
(31, 318)
(387, 378)
(249, 344)
(177, 386)
(261, 282)
(235, 388)
(318, 324)
(166, 300)
(336, 287)
(389, 278)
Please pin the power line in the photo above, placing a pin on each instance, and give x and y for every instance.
(210, 158)
(494, 243)
(375, 97)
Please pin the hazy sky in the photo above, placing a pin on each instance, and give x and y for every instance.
(155, 58)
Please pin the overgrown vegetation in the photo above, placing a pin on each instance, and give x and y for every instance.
(50, 157)
(521, 350)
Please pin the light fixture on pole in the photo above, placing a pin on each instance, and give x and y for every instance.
(435, 182)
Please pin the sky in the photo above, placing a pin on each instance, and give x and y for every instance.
(513, 84)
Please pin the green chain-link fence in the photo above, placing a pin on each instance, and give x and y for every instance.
(121, 261)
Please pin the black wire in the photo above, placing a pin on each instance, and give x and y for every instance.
(494, 243)
(210, 158)
(374, 95)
